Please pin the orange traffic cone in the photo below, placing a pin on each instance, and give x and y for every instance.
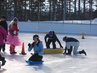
(23, 50)
(83, 36)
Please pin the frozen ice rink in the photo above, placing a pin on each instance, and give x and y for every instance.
(54, 63)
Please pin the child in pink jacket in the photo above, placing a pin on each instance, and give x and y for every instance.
(12, 38)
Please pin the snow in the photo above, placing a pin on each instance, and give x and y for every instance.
(75, 27)
(54, 63)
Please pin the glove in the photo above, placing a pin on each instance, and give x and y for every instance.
(29, 45)
(33, 43)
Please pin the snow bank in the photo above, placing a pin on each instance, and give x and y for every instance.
(95, 20)
(76, 27)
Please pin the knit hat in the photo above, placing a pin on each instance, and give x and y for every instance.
(51, 33)
(15, 19)
(35, 36)
(64, 38)
(3, 17)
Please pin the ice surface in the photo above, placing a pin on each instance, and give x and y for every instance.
(54, 63)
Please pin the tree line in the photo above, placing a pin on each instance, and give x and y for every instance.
(49, 10)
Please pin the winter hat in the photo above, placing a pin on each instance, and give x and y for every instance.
(15, 19)
(35, 36)
(64, 38)
(3, 17)
(51, 33)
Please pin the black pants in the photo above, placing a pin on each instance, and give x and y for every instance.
(35, 58)
(51, 41)
(1, 58)
(69, 50)
(2, 47)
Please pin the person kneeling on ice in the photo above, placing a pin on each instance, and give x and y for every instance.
(38, 49)
(70, 44)
(52, 38)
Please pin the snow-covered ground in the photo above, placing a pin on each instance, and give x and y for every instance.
(54, 63)
(69, 26)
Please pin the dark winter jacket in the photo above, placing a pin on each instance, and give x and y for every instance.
(52, 37)
(70, 39)
(3, 35)
(4, 25)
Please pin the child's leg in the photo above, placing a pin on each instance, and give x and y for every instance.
(0, 47)
(31, 58)
(54, 44)
(11, 50)
(75, 50)
(48, 43)
(12, 47)
(70, 50)
(3, 60)
(39, 58)
(3, 48)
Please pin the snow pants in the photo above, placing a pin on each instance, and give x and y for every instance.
(2, 47)
(12, 48)
(1, 58)
(74, 45)
(35, 58)
(51, 41)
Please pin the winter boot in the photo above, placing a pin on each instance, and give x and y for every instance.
(12, 49)
(13, 52)
(3, 61)
(70, 50)
(82, 52)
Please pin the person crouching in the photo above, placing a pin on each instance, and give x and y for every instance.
(72, 44)
(38, 49)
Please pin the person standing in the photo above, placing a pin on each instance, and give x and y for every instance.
(13, 39)
(3, 23)
(3, 35)
(72, 44)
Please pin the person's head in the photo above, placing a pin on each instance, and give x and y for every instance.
(36, 38)
(51, 33)
(15, 20)
(3, 18)
(64, 38)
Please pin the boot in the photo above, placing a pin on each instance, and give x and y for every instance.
(82, 52)
(3, 61)
(13, 52)
(70, 51)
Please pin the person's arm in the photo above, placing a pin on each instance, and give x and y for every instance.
(30, 46)
(58, 41)
(46, 37)
(3, 31)
(41, 48)
(6, 27)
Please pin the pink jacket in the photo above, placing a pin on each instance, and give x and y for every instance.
(12, 29)
(3, 35)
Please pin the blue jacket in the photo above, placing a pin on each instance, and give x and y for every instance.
(37, 48)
